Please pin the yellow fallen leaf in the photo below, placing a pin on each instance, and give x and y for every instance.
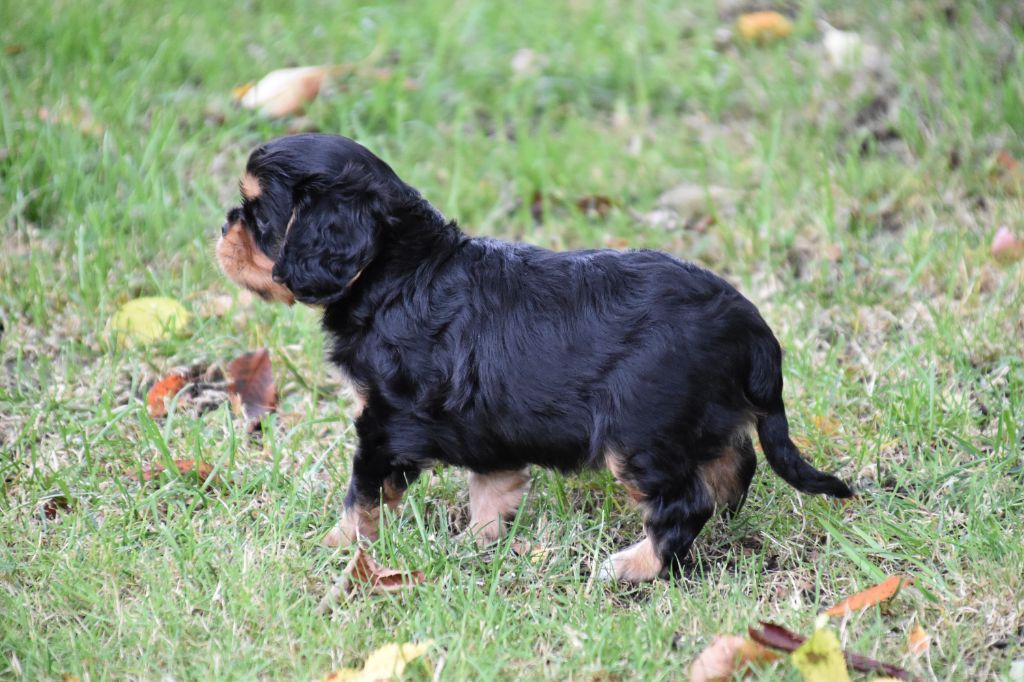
(918, 641)
(820, 658)
(386, 663)
(284, 91)
(763, 27)
(148, 319)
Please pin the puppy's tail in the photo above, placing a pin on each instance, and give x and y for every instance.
(764, 389)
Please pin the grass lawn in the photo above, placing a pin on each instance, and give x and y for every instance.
(855, 207)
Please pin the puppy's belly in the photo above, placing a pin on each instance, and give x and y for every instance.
(484, 454)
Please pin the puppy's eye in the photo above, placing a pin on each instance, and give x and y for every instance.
(234, 215)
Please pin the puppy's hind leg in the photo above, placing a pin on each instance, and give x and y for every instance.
(728, 476)
(676, 508)
(494, 498)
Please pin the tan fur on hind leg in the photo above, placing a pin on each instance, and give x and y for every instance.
(636, 564)
(494, 498)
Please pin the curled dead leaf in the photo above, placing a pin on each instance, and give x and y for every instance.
(873, 595)
(363, 571)
(251, 386)
(727, 655)
(285, 91)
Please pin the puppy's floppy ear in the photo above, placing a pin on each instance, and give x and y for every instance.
(332, 236)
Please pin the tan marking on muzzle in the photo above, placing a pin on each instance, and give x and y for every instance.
(245, 264)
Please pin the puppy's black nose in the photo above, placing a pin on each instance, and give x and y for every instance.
(224, 229)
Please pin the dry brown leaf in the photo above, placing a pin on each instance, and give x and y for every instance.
(285, 91)
(918, 641)
(363, 569)
(763, 27)
(162, 391)
(52, 506)
(726, 655)
(184, 467)
(535, 552)
(595, 205)
(778, 637)
(1006, 247)
(252, 386)
(871, 596)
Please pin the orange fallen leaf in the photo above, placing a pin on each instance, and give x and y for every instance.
(252, 381)
(184, 466)
(285, 91)
(1006, 247)
(871, 596)
(162, 391)
(918, 641)
(727, 655)
(763, 27)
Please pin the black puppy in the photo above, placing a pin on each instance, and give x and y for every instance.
(495, 356)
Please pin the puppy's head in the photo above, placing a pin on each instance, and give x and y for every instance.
(313, 213)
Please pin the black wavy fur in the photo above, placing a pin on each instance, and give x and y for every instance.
(493, 356)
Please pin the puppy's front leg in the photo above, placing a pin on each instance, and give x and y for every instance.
(373, 481)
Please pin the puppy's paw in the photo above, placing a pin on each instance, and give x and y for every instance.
(337, 537)
(636, 564)
(483, 534)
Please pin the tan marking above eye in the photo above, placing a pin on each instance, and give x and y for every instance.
(250, 186)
